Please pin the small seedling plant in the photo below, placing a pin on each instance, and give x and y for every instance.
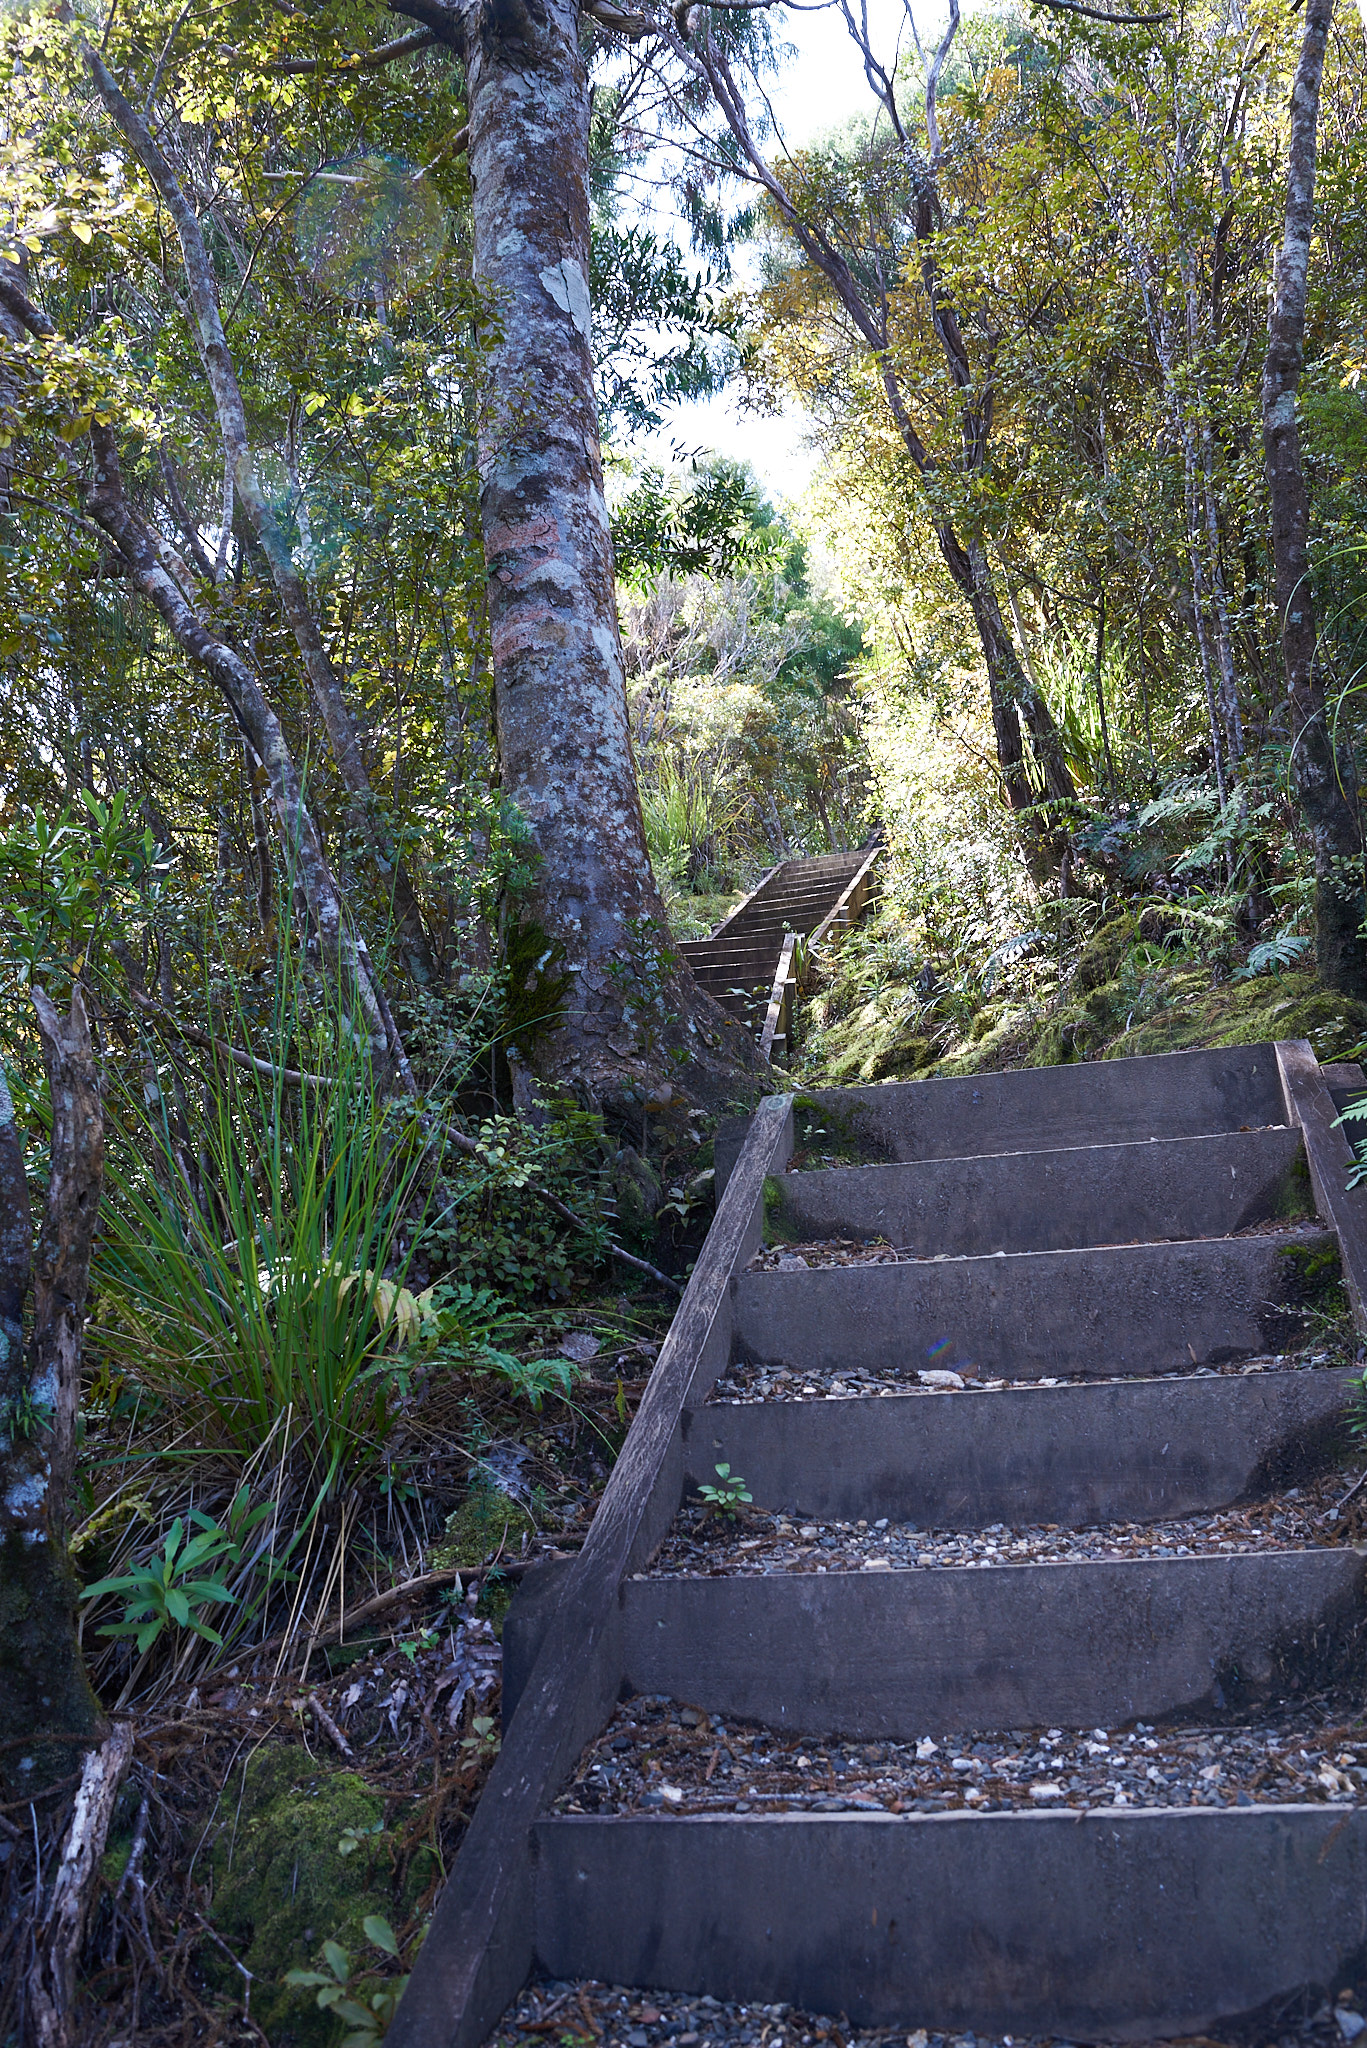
(339, 1992)
(729, 1497)
(176, 1589)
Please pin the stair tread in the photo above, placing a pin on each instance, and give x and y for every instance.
(1082, 1768)
(1094, 1545)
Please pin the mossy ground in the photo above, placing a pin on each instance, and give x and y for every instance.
(1125, 992)
(487, 1524)
(300, 1856)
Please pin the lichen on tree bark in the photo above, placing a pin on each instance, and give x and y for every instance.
(1323, 777)
(43, 1685)
(619, 1008)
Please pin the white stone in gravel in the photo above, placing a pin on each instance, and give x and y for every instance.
(1043, 1793)
(937, 1377)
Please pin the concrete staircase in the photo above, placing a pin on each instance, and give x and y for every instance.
(1127, 1231)
(738, 962)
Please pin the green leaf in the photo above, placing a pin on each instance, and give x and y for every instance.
(381, 1933)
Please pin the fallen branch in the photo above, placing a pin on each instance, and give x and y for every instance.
(329, 1726)
(465, 1576)
(1361, 1480)
(52, 1976)
(192, 1035)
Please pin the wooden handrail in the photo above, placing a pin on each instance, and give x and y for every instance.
(844, 910)
(776, 1023)
(479, 1948)
(744, 904)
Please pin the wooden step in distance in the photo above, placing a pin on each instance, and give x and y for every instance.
(1049, 1201)
(1109, 1926)
(886, 1656)
(1143, 1308)
(1137, 1451)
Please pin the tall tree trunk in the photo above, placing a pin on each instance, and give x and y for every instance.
(612, 998)
(1015, 697)
(1323, 784)
(43, 1685)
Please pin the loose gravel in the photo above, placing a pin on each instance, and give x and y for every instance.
(748, 1383)
(876, 1251)
(589, 2015)
(657, 1756)
(701, 1545)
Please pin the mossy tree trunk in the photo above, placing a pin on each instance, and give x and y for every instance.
(44, 1690)
(1323, 778)
(599, 999)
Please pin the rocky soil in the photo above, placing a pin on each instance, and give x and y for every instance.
(588, 2015)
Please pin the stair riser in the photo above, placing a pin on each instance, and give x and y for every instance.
(1049, 1201)
(895, 1655)
(1116, 1926)
(1098, 1102)
(1128, 1309)
(1071, 1455)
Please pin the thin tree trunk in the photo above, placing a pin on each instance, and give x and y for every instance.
(43, 1685)
(324, 681)
(1101, 695)
(1198, 612)
(610, 1000)
(1230, 716)
(1012, 693)
(52, 1975)
(1323, 785)
(145, 559)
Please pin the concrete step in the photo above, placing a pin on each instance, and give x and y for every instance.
(888, 1655)
(1144, 1308)
(1052, 1201)
(1108, 1926)
(1138, 1451)
(1093, 1102)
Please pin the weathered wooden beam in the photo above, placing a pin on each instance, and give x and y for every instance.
(848, 909)
(1332, 1162)
(481, 1943)
(778, 1016)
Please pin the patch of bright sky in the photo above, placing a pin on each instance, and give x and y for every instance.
(814, 92)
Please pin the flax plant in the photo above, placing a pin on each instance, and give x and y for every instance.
(250, 1277)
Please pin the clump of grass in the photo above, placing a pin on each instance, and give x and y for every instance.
(262, 1295)
(254, 1331)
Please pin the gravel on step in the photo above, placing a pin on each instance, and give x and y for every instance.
(752, 1383)
(657, 1756)
(702, 1545)
(590, 2015)
(806, 1253)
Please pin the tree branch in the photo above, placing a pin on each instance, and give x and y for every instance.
(219, 369)
(356, 60)
(1097, 14)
